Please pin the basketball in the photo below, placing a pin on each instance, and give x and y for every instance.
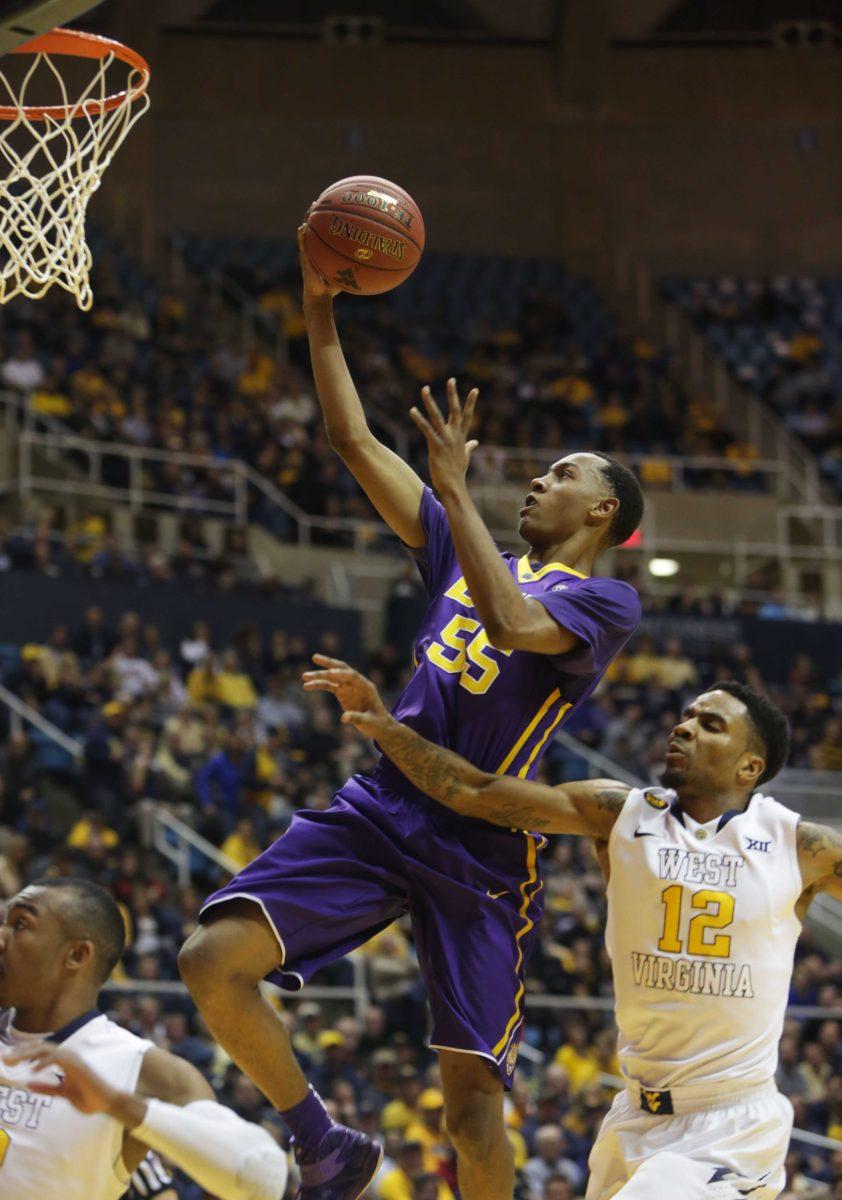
(365, 235)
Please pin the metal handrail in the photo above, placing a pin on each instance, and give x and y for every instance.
(677, 463)
(63, 439)
(25, 712)
(359, 996)
(173, 987)
(157, 820)
(600, 764)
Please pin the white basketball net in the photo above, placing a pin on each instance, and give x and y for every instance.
(52, 167)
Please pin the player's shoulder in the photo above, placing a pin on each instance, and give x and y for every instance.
(643, 808)
(602, 587)
(649, 800)
(618, 589)
(97, 1032)
(766, 810)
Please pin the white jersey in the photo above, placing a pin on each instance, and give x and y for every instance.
(48, 1149)
(701, 931)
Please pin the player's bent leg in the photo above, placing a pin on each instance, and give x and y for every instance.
(222, 963)
(473, 1106)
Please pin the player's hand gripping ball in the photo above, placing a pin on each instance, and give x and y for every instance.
(364, 235)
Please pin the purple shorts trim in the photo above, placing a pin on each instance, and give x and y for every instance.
(473, 891)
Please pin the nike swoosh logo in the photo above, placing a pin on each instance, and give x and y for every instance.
(497, 895)
(313, 1174)
(643, 833)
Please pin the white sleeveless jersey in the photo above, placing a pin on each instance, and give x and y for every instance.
(701, 931)
(48, 1149)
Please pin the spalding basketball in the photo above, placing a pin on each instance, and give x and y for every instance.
(364, 235)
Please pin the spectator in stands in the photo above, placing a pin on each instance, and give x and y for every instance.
(93, 640)
(427, 1128)
(22, 370)
(196, 648)
(135, 674)
(221, 784)
(550, 1159)
(557, 1188)
(232, 686)
(673, 669)
(827, 755)
(242, 845)
(400, 1183)
(103, 750)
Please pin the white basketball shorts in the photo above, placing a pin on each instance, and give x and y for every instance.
(724, 1151)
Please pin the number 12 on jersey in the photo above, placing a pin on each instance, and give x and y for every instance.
(718, 913)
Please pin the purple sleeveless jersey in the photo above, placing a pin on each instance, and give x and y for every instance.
(383, 849)
(498, 708)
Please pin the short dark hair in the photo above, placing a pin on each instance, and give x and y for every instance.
(91, 913)
(625, 486)
(769, 724)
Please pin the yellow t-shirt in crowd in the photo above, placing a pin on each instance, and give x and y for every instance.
(235, 689)
(242, 850)
(581, 1069)
(397, 1185)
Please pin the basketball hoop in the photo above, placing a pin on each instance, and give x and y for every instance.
(55, 155)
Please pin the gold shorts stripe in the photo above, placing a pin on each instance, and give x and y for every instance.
(526, 899)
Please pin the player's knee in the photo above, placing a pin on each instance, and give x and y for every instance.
(475, 1127)
(197, 961)
(211, 965)
(235, 949)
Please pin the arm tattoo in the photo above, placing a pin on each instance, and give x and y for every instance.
(519, 816)
(438, 772)
(811, 839)
(453, 781)
(824, 847)
(611, 799)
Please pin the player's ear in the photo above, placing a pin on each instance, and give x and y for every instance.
(78, 954)
(602, 513)
(750, 769)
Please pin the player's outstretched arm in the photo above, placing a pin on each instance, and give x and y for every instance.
(173, 1111)
(390, 484)
(589, 808)
(820, 859)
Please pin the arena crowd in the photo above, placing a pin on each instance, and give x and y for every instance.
(224, 735)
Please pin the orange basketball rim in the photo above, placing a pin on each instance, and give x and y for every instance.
(55, 153)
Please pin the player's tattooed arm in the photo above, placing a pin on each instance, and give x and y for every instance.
(589, 808)
(820, 858)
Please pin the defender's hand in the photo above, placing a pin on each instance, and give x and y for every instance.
(358, 696)
(62, 1073)
(447, 445)
(315, 286)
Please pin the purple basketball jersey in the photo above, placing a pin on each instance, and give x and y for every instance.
(499, 708)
